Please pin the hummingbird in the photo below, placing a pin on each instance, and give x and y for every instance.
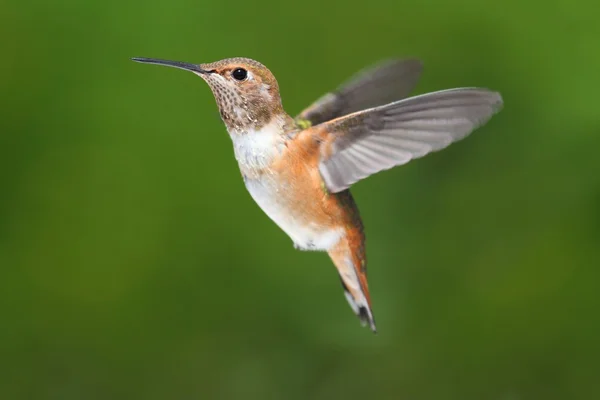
(299, 169)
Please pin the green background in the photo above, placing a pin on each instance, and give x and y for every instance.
(134, 264)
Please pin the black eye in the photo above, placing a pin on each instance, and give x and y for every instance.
(239, 74)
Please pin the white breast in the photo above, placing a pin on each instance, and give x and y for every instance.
(305, 235)
(255, 151)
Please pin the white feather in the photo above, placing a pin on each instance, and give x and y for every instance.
(255, 151)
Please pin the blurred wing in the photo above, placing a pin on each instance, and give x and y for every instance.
(366, 142)
(386, 82)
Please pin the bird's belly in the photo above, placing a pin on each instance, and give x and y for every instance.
(305, 230)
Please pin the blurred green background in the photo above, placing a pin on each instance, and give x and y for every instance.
(134, 264)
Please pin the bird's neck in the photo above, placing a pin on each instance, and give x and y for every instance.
(256, 146)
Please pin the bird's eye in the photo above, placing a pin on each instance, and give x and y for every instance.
(239, 74)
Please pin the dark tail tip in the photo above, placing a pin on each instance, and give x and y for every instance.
(361, 310)
(366, 319)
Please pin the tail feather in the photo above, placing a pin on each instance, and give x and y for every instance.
(350, 264)
(364, 313)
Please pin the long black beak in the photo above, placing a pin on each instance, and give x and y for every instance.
(176, 64)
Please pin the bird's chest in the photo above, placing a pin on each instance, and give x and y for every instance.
(296, 211)
(287, 188)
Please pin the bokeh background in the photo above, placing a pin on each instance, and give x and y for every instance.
(134, 265)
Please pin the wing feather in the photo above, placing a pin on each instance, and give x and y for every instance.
(381, 84)
(369, 141)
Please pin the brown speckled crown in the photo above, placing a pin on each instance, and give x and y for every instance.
(244, 105)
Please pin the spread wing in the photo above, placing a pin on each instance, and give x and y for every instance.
(369, 141)
(381, 84)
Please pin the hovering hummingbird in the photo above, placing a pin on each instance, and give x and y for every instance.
(299, 170)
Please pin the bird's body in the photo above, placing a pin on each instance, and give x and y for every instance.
(279, 164)
(299, 170)
(289, 176)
